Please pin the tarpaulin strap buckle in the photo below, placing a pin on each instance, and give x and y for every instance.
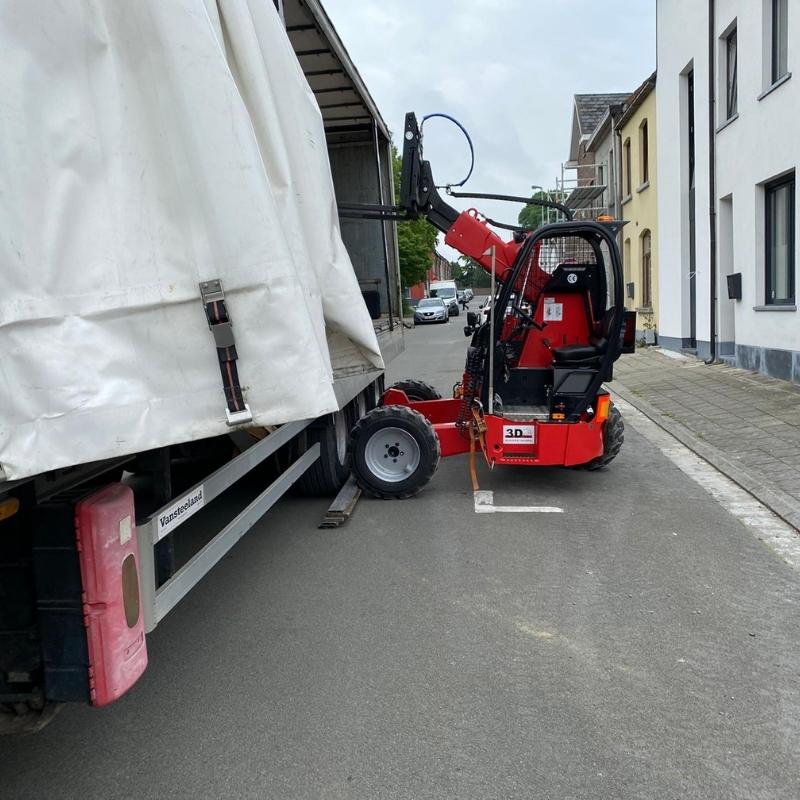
(220, 325)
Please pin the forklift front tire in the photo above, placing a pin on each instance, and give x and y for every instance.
(393, 452)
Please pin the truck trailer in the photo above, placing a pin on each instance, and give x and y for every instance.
(182, 316)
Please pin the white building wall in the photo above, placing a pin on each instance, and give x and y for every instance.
(762, 143)
(682, 44)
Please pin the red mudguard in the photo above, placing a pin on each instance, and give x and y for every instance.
(106, 534)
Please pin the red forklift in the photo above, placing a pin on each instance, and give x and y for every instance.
(532, 390)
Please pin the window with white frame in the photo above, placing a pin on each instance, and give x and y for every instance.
(626, 261)
(780, 39)
(780, 241)
(627, 177)
(731, 75)
(647, 270)
(644, 153)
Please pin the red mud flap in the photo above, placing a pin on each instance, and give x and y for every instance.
(106, 536)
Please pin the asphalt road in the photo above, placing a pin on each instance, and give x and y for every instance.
(643, 644)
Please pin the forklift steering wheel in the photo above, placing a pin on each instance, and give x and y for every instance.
(528, 317)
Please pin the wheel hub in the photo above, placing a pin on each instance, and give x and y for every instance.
(392, 454)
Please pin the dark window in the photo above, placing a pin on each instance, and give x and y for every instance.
(647, 272)
(644, 154)
(780, 39)
(731, 72)
(780, 240)
(690, 90)
(627, 167)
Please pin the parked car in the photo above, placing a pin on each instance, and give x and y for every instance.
(469, 293)
(431, 309)
(447, 291)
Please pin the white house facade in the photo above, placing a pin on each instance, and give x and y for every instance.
(728, 126)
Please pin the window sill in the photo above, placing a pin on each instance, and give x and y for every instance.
(774, 86)
(776, 307)
(626, 199)
(642, 186)
(728, 122)
(645, 310)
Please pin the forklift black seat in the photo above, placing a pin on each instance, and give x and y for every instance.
(574, 353)
(586, 354)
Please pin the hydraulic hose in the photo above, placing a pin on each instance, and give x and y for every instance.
(466, 135)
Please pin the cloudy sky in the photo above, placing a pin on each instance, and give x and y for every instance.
(506, 69)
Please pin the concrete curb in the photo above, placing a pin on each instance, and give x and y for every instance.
(779, 502)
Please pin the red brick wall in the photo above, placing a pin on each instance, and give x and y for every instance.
(439, 271)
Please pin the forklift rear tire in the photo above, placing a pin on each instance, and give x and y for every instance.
(416, 390)
(393, 452)
(613, 437)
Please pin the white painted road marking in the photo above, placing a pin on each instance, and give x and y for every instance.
(762, 523)
(484, 504)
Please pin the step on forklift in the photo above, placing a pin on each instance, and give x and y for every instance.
(532, 390)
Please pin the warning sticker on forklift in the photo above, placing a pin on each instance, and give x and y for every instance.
(553, 312)
(179, 511)
(519, 434)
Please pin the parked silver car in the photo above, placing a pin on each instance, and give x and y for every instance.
(431, 309)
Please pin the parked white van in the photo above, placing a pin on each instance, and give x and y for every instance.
(447, 291)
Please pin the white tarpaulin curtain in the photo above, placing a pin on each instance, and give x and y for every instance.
(144, 147)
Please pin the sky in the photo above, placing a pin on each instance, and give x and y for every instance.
(506, 69)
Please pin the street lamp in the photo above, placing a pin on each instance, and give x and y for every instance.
(547, 197)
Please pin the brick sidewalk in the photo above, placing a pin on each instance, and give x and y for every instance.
(745, 424)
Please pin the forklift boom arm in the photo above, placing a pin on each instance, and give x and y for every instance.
(463, 231)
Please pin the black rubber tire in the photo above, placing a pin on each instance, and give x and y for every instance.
(457, 313)
(416, 390)
(411, 422)
(329, 472)
(374, 393)
(613, 437)
(22, 719)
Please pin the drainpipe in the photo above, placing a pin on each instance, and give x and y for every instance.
(712, 185)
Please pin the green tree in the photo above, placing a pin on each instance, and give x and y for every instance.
(416, 239)
(467, 272)
(534, 216)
